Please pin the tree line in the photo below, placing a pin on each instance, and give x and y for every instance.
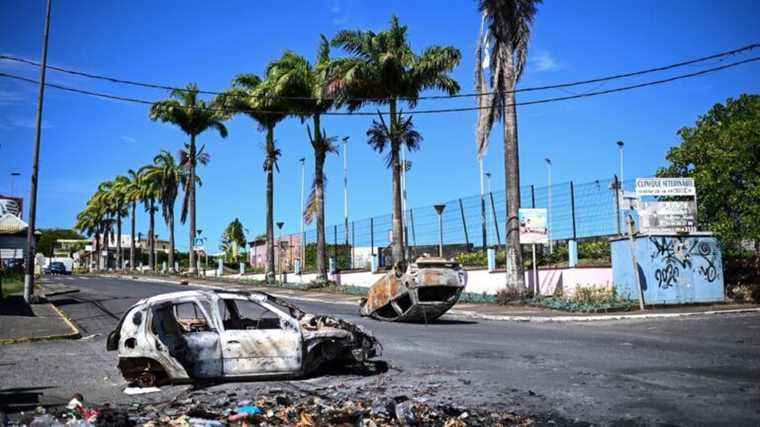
(377, 68)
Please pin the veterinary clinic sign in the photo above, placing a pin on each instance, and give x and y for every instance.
(665, 187)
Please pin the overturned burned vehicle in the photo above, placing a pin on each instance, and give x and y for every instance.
(198, 335)
(421, 291)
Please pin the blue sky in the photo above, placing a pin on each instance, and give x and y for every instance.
(88, 140)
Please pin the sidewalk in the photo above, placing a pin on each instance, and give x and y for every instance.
(20, 322)
(482, 311)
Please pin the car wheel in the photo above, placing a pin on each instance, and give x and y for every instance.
(146, 379)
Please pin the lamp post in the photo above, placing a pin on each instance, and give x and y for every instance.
(13, 177)
(620, 145)
(279, 245)
(345, 196)
(549, 210)
(303, 243)
(439, 210)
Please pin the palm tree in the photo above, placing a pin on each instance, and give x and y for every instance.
(305, 84)
(148, 193)
(383, 69)
(119, 199)
(107, 199)
(261, 100)
(132, 196)
(89, 223)
(167, 174)
(94, 220)
(508, 23)
(193, 116)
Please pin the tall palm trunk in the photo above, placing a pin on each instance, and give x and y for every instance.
(152, 236)
(98, 236)
(132, 239)
(191, 204)
(119, 255)
(107, 245)
(515, 273)
(319, 199)
(397, 248)
(171, 241)
(270, 272)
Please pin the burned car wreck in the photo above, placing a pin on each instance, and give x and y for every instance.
(421, 291)
(200, 335)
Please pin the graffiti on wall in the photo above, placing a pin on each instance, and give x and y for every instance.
(676, 255)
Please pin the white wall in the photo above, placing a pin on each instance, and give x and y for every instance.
(481, 281)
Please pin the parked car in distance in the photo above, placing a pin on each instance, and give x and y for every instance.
(201, 335)
(56, 267)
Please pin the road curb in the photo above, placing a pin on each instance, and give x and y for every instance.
(75, 333)
(466, 314)
(598, 318)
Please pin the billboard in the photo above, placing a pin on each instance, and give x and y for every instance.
(665, 187)
(11, 205)
(533, 226)
(667, 217)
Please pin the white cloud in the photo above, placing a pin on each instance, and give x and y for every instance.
(8, 97)
(339, 12)
(8, 123)
(544, 61)
(128, 139)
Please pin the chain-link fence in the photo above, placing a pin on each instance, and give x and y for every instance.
(575, 211)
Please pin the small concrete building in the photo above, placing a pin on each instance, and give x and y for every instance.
(13, 232)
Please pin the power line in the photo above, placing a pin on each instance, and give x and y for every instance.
(472, 94)
(429, 111)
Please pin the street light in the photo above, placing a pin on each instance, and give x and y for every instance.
(13, 176)
(549, 210)
(303, 243)
(345, 194)
(439, 210)
(279, 245)
(620, 145)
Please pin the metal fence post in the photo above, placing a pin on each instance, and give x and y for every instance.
(372, 235)
(335, 244)
(353, 244)
(495, 220)
(532, 197)
(464, 226)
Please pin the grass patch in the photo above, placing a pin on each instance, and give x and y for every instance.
(13, 285)
(587, 299)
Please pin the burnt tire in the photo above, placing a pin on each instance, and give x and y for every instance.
(146, 379)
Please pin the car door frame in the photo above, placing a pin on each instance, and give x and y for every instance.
(242, 352)
(188, 368)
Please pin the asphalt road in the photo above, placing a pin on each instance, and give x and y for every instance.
(696, 370)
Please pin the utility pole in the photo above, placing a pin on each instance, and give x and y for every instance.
(549, 210)
(30, 240)
(302, 246)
